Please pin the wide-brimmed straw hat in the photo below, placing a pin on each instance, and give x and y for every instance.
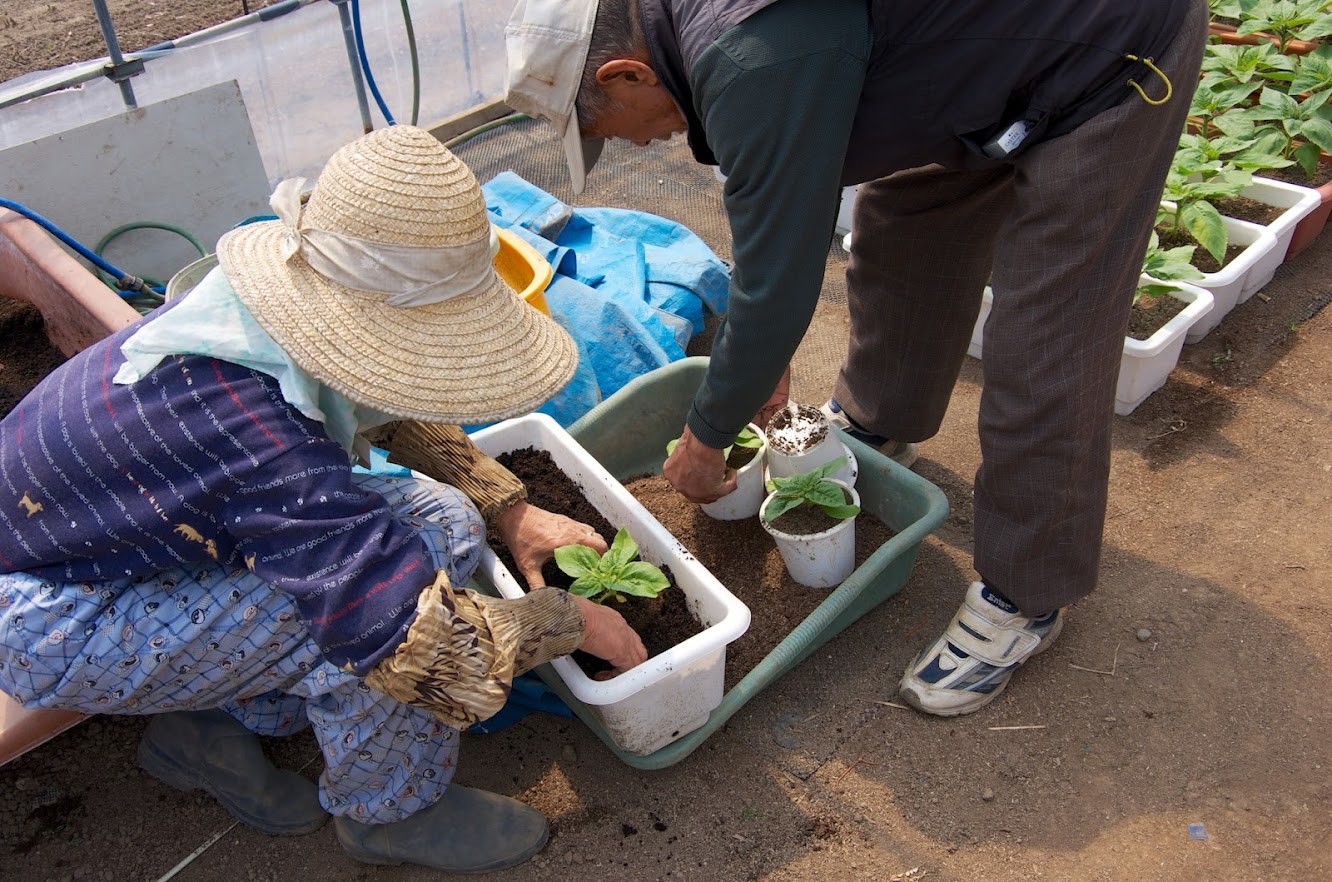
(381, 287)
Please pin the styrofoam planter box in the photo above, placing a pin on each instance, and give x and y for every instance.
(1298, 203)
(670, 694)
(1227, 283)
(1147, 363)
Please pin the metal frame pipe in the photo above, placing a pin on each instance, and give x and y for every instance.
(113, 51)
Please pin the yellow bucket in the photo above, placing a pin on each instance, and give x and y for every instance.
(523, 269)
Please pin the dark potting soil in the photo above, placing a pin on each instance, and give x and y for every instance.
(741, 456)
(1246, 209)
(744, 558)
(661, 622)
(26, 355)
(1294, 174)
(1201, 259)
(1150, 314)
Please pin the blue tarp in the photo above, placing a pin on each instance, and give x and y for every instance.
(631, 288)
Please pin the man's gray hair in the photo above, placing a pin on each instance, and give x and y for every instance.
(616, 34)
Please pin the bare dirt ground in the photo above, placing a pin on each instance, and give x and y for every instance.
(1190, 689)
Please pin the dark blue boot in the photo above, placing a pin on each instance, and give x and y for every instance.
(467, 831)
(211, 751)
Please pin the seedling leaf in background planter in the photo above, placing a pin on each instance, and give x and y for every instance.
(613, 574)
(810, 488)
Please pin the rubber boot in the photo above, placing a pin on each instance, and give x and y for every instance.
(467, 831)
(211, 751)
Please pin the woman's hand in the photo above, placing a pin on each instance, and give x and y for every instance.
(532, 534)
(607, 636)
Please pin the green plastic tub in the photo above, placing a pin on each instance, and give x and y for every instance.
(627, 433)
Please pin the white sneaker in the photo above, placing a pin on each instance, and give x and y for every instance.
(904, 453)
(968, 665)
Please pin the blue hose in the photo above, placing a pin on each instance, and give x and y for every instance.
(128, 286)
(365, 62)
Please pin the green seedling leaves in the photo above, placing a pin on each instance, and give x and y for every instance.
(1166, 265)
(747, 438)
(810, 488)
(599, 577)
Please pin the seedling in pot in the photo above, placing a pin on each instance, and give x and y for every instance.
(616, 573)
(810, 488)
(747, 439)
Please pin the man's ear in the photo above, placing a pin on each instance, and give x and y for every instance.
(625, 72)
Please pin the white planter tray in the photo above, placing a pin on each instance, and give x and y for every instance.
(670, 694)
(1146, 364)
(1227, 283)
(1298, 202)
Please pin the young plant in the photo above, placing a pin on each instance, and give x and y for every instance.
(1286, 20)
(1226, 66)
(1303, 126)
(1165, 265)
(1190, 185)
(616, 573)
(810, 488)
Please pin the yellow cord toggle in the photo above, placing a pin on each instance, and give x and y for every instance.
(1157, 102)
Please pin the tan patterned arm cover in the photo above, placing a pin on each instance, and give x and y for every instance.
(464, 649)
(446, 454)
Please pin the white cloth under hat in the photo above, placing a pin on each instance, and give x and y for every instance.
(547, 42)
(382, 287)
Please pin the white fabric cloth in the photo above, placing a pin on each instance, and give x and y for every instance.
(212, 321)
(410, 275)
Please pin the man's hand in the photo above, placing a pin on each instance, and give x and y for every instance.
(607, 636)
(532, 534)
(778, 400)
(698, 472)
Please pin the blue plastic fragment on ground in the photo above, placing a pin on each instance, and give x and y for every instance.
(1197, 831)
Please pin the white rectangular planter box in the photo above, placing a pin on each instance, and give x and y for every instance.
(1227, 284)
(670, 694)
(1145, 364)
(1298, 202)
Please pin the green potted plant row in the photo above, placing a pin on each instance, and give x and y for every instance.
(1294, 26)
(1263, 94)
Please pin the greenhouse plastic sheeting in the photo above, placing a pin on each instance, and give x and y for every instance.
(296, 78)
(631, 288)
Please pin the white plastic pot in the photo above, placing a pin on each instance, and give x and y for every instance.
(1147, 363)
(744, 501)
(817, 560)
(783, 464)
(670, 694)
(1298, 203)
